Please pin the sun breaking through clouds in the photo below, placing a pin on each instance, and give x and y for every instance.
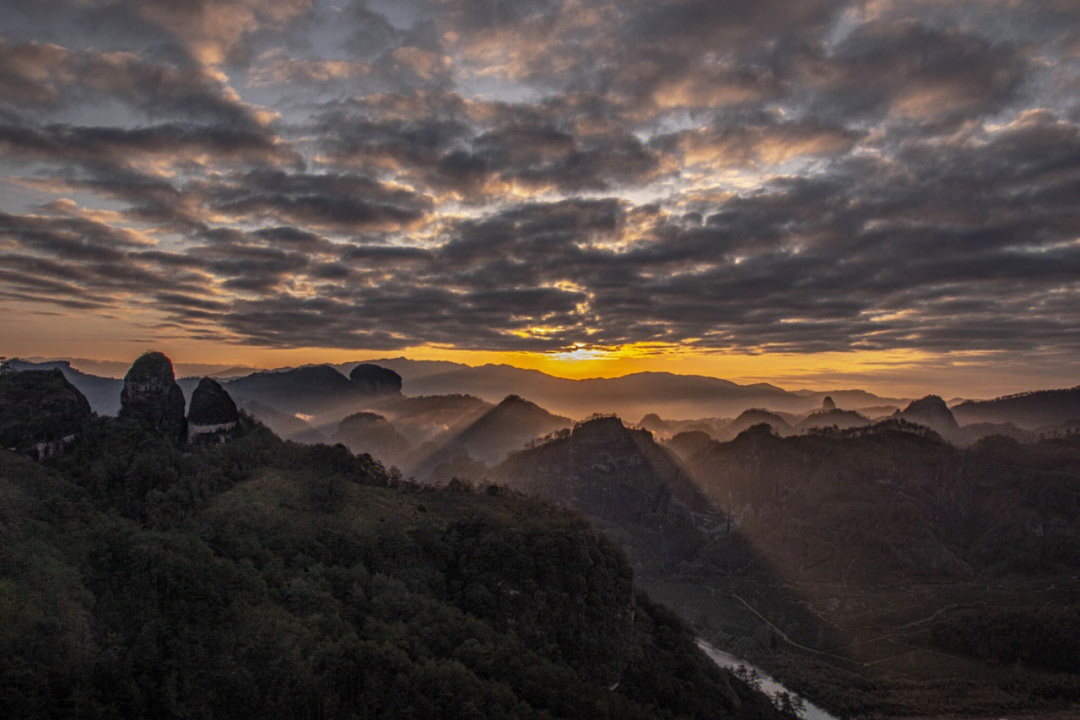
(846, 189)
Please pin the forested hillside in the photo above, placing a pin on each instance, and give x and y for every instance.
(145, 577)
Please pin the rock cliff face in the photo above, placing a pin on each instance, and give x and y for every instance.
(374, 380)
(39, 411)
(151, 395)
(212, 411)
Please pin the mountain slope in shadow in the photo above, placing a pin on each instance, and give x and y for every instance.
(491, 437)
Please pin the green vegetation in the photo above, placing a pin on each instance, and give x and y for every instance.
(38, 406)
(258, 578)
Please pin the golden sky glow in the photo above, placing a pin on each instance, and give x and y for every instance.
(901, 373)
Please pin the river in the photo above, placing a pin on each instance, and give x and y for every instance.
(767, 684)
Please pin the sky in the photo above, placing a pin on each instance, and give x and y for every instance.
(874, 193)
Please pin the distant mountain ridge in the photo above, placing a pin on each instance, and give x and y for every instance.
(325, 394)
(313, 389)
(1030, 410)
(633, 395)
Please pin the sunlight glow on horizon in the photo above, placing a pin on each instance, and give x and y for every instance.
(893, 373)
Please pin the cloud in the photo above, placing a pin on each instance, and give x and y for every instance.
(347, 203)
(755, 176)
(165, 145)
(913, 72)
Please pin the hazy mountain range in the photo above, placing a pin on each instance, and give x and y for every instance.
(428, 417)
(633, 395)
(881, 559)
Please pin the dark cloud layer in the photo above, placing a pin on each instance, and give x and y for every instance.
(759, 176)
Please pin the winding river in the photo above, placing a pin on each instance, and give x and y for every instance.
(767, 684)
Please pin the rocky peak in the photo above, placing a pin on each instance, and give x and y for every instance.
(375, 380)
(932, 412)
(828, 404)
(39, 410)
(152, 396)
(211, 409)
(652, 422)
(602, 429)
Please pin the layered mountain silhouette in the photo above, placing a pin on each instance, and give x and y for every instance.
(841, 419)
(312, 391)
(283, 424)
(1030, 411)
(667, 394)
(490, 438)
(239, 576)
(906, 548)
(308, 403)
(41, 411)
(756, 416)
(668, 428)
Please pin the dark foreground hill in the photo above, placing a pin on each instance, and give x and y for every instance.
(620, 477)
(141, 576)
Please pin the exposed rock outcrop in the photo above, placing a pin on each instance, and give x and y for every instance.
(375, 380)
(152, 396)
(39, 411)
(827, 404)
(212, 411)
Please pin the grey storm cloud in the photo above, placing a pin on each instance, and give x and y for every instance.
(542, 175)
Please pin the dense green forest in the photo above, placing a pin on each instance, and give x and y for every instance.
(145, 577)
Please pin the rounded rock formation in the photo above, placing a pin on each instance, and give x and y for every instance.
(212, 410)
(828, 404)
(375, 380)
(932, 412)
(152, 396)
